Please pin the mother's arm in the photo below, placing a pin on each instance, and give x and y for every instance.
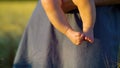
(68, 4)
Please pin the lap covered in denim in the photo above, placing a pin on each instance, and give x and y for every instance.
(42, 46)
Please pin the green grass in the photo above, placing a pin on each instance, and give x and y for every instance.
(13, 18)
(15, 15)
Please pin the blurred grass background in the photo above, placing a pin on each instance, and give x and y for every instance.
(14, 15)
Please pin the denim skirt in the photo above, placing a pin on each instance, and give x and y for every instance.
(42, 46)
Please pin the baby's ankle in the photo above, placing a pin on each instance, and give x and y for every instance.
(88, 30)
(68, 31)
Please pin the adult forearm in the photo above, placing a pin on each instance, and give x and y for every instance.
(68, 5)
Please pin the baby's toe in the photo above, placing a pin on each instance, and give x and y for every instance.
(89, 39)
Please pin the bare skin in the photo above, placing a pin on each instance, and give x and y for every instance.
(57, 17)
(59, 21)
(88, 14)
(68, 5)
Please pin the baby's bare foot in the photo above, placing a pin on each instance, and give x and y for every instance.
(75, 37)
(89, 36)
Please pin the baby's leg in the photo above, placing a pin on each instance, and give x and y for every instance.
(55, 14)
(88, 15)
(58, 20)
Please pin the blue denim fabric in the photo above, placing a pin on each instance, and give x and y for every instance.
(42, 46)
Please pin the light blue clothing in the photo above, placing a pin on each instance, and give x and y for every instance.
(42, 46)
